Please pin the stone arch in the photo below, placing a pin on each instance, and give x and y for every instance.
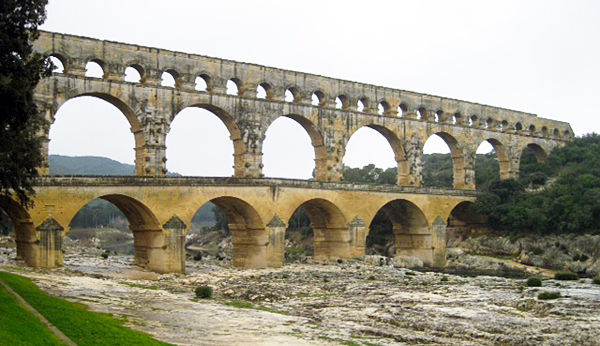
(541, 155)
(463, 221)
(296, 93)
(321, 96)
(235, 134)
(317, 141)
(176, 76)
(100, 63)
(269, 90)
(249, 236)
(342, 102)
(330, 226)
(461, 180)
(403, 167)
(141, 71)
(148, 237)
(205, 76)
(412, 234)
(129, 113)
(62, 59)
(238, 84)
(502, 154)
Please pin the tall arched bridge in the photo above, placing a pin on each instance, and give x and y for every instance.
(160, 209)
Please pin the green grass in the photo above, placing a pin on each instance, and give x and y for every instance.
(74, 320)
(19, 326)
(240, 304)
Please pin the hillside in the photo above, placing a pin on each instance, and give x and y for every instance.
(88, 165)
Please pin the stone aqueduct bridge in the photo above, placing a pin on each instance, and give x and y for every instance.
(160, 209)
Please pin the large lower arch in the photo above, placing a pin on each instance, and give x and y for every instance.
(317, 141)
(153, 247)
(249, 236)
(461, 178)
(463, 222)
(540, 154)
(412, 232)
(136, 128)
(330, 227)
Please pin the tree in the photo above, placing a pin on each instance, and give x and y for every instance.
(20, 71)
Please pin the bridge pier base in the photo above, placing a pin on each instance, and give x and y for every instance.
(331, 244)
(358, 237)
(415, 243)
(276, 247)
(439, 242)
(249, 247)
(161, 250)
(42, 247)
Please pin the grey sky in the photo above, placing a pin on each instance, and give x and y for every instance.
(541, 57)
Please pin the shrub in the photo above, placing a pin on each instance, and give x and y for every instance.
(548, 295)
(285, 276)
(534, 282)
(566, 276)
(371, 277)
(445, 278)
(204, 292)
(596, 280)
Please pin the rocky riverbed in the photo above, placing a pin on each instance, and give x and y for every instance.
(349, 303)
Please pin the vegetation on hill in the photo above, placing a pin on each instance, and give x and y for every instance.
(88, 165)
(567, 203)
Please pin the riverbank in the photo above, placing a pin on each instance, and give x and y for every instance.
(351, 303)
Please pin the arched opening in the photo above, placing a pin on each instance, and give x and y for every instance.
(444, 163)
(544, 131)
(362, 105)
(292, 95)
(91, 136)
(330, 228)
(474, 121)
(170, 79)
(200, 83)
(489, 124)
(249, 238)
(383, 108)
(556, 133)
(439, 116)
(531, 165)
(400, 229)
(318, 98)
(457, 119)
(59, 66)
(100, 224)
(233, 86)
(116, 224)
(532, 130)
(374, 154)
(133, 74)
(518, 127)
(94, 68)
(491, 163)
(422, 114)
(402, 109)
(261, 91)
(199, 143)
(342, 102)
(504, 126)
(463, 222)
(299, 238)
(209, 235)
(295, 159)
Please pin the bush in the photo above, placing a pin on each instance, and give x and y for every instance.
(566, 276)
(534, 282)
(596, 280)
(204, 292)
(548, 295)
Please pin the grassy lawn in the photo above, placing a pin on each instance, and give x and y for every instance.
(74, 320)
(19, 326)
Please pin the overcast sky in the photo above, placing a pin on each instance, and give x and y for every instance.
(541, 57)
